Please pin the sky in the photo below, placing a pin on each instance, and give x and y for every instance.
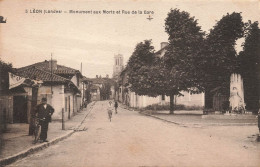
(94, 38)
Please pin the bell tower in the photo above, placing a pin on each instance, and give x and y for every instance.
(118, 65)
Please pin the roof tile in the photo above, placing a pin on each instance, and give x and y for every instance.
(35, 73)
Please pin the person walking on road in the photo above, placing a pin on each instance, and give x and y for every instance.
(44, 112)
(116, 106)
(110, 110)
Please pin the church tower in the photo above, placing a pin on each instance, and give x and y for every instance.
(118, 65)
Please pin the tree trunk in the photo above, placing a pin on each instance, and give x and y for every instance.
(208, 99)
(171, 103)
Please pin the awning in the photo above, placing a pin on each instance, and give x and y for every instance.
(15, 81)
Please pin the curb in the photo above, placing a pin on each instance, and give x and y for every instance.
(153, 116)
(196, 125)
(165, 120)
(34, 149)
(23, 154)
(90, 109)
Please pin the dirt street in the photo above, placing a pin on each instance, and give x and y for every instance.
(132, 139)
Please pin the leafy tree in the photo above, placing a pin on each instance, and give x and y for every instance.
(4, 69)
(218, 61)
(139, 64)
(179, 62)
(4, 88)
(88, 95)
(249, 63)
(105, 91)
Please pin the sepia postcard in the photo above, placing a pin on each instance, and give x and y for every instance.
(138, 83)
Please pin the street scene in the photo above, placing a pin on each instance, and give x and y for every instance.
(133, 83)
(131, 139)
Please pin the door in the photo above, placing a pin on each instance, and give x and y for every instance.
(20, 109)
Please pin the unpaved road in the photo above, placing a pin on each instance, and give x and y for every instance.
(135, 140)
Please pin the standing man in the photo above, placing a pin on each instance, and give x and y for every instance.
(44, 112)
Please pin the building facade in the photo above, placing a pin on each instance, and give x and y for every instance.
(62, 86)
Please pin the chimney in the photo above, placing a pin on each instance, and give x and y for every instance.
(107, 76)
(96, 76)
(53, 63)
(164, 44)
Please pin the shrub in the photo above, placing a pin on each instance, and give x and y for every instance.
(160, 107)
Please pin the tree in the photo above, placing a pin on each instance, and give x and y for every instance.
(179, 62)
(249, 66)
(4, 89)
(218, 60)
(139, 64)
(105, 90)
(4, 69)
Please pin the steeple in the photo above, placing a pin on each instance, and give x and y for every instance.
(118, 65)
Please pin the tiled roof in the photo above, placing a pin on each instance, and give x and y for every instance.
(97, 80)
(65, 70)
(60, 68)
(102, 81)
(35, 73)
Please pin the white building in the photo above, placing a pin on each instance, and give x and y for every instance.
(62, 86)
(134, 100)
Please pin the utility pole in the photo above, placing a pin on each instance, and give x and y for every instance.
(83, 91)
(51, 75)
(81, 67)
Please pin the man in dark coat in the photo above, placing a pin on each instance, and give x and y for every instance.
(44, 112)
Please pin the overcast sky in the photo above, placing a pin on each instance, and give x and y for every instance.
(93, 39)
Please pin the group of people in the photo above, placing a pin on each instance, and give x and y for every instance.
(44, 112)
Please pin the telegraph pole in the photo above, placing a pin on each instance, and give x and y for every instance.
(81, 67)
(51, 75)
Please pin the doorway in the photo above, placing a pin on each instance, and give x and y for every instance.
(20, 109)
